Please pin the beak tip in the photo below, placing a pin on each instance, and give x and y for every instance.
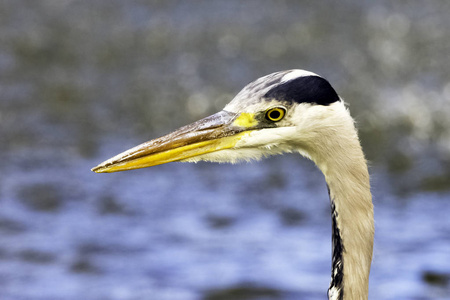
(99, 169)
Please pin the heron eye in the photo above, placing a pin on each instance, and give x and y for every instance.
(275, 114)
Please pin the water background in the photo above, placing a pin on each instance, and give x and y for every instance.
(81, 81)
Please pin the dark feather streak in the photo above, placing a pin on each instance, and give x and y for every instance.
(337, 264)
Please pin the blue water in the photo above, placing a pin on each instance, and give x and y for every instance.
(182, 231)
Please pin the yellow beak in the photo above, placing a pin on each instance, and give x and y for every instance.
(216, 132)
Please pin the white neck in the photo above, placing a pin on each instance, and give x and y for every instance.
(353, 228)
(339, 156)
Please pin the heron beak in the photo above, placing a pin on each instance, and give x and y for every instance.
(216, 132)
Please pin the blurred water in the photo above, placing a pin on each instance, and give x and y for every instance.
(183, 231)
(82, 81)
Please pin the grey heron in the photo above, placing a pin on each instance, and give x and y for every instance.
(288, 111)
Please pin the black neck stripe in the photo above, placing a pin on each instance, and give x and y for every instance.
(337, 262)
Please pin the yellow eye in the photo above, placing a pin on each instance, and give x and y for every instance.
(275, 114)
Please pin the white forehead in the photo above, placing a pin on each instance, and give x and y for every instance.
(296, 74)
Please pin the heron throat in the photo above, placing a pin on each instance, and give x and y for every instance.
(334, 146)
(346, 173)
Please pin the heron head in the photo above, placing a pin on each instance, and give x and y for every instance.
(281, 112)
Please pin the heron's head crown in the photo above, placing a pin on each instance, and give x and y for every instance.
(286, 87)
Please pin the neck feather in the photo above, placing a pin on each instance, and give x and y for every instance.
(339, 156)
